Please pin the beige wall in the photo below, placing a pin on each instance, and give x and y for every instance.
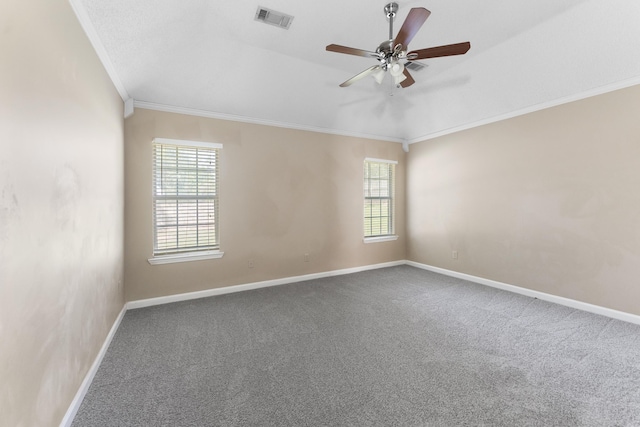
(61, 209)
(548, 201)
(283, 193)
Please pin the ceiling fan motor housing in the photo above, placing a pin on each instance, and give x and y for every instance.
(384, 51)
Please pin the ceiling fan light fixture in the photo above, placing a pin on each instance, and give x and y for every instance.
(396, 69)
(399, 79)
(379, 76)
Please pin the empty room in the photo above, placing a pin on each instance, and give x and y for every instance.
(285, 213)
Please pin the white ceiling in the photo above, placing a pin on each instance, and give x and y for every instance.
(212, 56)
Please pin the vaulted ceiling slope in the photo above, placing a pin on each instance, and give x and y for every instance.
(214, 57)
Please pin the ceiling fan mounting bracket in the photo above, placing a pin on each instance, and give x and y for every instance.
(391, 9)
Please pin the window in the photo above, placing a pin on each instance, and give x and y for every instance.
(379, 181)
(185, 200)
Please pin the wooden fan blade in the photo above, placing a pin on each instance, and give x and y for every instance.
(438, 51)
(363, 74)
(351, 51)
(417, 16)
(408, 81)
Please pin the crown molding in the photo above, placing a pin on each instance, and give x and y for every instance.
(532, 109)
(256, 121)
(94, 39)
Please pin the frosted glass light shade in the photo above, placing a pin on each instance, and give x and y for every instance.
(379, 75)
(399, 79)
(396, 69)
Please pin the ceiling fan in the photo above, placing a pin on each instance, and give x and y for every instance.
(392, 54)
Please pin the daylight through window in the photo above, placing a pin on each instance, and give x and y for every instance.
(379, 181)
(185, 196)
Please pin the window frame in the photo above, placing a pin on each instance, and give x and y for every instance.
(195, 254)
(392, 197)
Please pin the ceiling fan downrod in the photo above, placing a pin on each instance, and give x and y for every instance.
(390, 10)
(390, 54)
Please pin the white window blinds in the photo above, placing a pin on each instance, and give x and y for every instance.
(379, 181)
(185, 196)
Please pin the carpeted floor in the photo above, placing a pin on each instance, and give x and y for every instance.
(397, 346)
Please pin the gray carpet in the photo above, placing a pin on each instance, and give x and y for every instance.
(398, 346)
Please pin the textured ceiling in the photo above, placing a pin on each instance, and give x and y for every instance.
(214, 57)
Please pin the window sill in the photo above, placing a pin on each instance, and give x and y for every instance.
(379, 239)
(193, 256)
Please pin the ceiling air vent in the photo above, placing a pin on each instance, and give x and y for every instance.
(272, 17)
(414, 66)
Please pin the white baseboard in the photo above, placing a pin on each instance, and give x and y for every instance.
(248, 286)
(86, 383)
(591, 308)
(84, 387)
